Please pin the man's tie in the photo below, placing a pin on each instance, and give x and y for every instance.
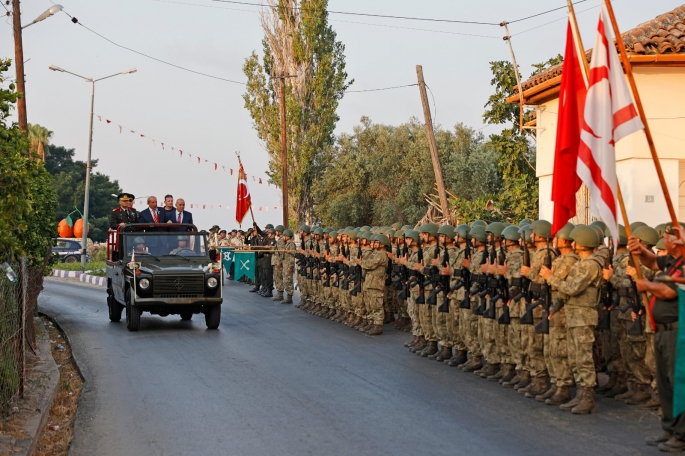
(179, 217)
(154, 215)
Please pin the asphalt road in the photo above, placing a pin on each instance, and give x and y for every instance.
(273, 380)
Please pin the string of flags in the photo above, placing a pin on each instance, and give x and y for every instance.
(222, 206)
(182, 154)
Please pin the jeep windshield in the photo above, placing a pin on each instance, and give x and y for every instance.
(164, 244)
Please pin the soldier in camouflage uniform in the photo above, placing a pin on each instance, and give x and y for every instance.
(429, 233)
(374, 262)
(467, 317)
(500, 331)
(358, 299)
(335, 303)
(277, 263)
(413, 266)
(302, 282)
(457, 273)
(443, 321)
(532, 342)
(288, 265)
(403, 322)
(556, 343)
(512, 273)
(582, 287)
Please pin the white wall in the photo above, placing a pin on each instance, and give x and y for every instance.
(662, 91)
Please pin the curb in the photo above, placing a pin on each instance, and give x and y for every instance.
(35, 425)
(94, 280)
(63, 273)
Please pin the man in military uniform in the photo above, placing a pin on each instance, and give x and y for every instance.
(556, 342)
(431, 251)
(287, 265)
(511, 271)
(277, 263)
(268, 243)
(582, 287)
(302, 282)
(356, 301)
(533, 343)
(449, 330)
(124, 213)
(374, 262)
(412, 263)
(457, 294)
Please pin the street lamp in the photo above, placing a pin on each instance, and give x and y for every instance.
(49, 12)
(90, 144)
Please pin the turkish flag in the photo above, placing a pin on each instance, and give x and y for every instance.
(244, 199)
(565, 181)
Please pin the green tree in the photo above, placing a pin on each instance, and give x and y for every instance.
(298, 42)
(39, 138)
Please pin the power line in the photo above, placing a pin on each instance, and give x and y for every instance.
(545, 12)
(556, 20)
(384, 88)
(452, 21)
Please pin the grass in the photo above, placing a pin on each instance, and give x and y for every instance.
(96, 268)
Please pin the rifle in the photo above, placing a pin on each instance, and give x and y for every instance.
(357, 274)
(490, 282)
(503, 291)
(608, 298)
(345, 284)
(301, 260)
(327, 267)
(434, 273)
(465, 281)
(533, 295)
(480, 282)
(495, 284)
(404, 273)
(543, 326)
(632, 302)
(419, 279)
(445, 281)
(310, 273)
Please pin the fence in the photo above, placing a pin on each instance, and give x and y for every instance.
(13, 296)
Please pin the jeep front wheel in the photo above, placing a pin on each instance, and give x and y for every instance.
(114, 309)
(132, 313)
(212, 316)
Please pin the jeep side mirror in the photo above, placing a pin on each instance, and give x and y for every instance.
(212, 254)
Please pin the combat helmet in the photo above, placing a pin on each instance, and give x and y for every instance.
(318, 232)
(476, 223)
(542, 228)
(447, 230)
(622, 237)
(280, 228)
(585, 236)
(365, 228)
(430, 228)
(661, 245)
(511, 233)
(305, 228)
(383, 239)
(600, 224)
(463, 231)
(478, 233)
(495, 228)
(525, 221)
(565, 232)
(288, 232)
(396, 226)
(636, 225)
(647, 234)
(413, 234)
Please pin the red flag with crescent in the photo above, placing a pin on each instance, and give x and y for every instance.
(244, 199)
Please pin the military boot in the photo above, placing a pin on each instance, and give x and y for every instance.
(431, 348)
(641, 395)
(573, 402)
(497, 375)
(632, 389)
(361, 324)
(540, 386)
(474, 364)
(620, 387)
(613, 378)
(342, 315)
(652, 404)
(673, 445)
(366, 327)
(353, 321)
(445, 354)
(254, 290)
(587, 403)
(561, 396)
(490, 369)
(524, 381)
(514, 381)
(509, 373)
(421, 344)
(288, 299)
(278, 297)
(458, 359)
(407, 325)
(412, 342)
(376, 330)
(547, 394)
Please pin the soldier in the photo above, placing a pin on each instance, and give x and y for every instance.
(556, 343)
(431, 251)
(287, 265)
(267, 272)
(532, 342)
(374, 262)
(334, 296)
(347, 313)
(413, 264)
(356, 302)
(468, 318)
(403, 322)
(357, 292)
(665, 314)
(124, 213)
(277, 263)
(582, 287)
(458, 292)
(302, 282)
(512, 273)
(443, 320)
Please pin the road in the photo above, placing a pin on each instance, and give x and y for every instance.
(275, 380)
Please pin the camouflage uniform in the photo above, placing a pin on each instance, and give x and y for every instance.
(356, 301)
(469, 320)
(302, 282)
(288, 267)
(412, 307)
(374, 263)
(453, 335)
(532, 342)
(582, 287)
(486, 328)
(439, 320)
(277, 263)
(556, 342)
(501, 331)
(425, 309)
(516, 308)
(334, 291)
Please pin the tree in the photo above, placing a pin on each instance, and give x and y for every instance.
(39, 138)
(299, 42)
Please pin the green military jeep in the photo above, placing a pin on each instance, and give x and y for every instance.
(162, 269)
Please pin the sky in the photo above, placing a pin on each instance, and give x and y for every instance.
(205, 117)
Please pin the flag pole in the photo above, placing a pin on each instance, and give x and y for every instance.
(251, 213)
(648, 133)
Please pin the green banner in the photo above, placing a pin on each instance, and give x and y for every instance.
(245, 265)
(679, 374)
(226, 257)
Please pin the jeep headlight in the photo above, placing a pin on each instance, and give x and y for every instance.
(212, 282)
(144, 283)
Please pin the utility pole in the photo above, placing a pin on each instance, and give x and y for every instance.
(284, 151)
(19, 64)
(431, 142)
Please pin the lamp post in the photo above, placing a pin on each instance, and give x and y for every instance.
(90, 144)
(19, 56)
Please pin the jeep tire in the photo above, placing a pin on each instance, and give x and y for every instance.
(213, 316)
(132, 313)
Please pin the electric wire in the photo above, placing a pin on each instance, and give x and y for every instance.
(383, 88)
(545, 12)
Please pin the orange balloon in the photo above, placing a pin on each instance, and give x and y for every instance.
(78, 228)
(64, 230)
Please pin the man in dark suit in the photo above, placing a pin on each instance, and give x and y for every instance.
(153, 214)
(180, 215)
(168, 206)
